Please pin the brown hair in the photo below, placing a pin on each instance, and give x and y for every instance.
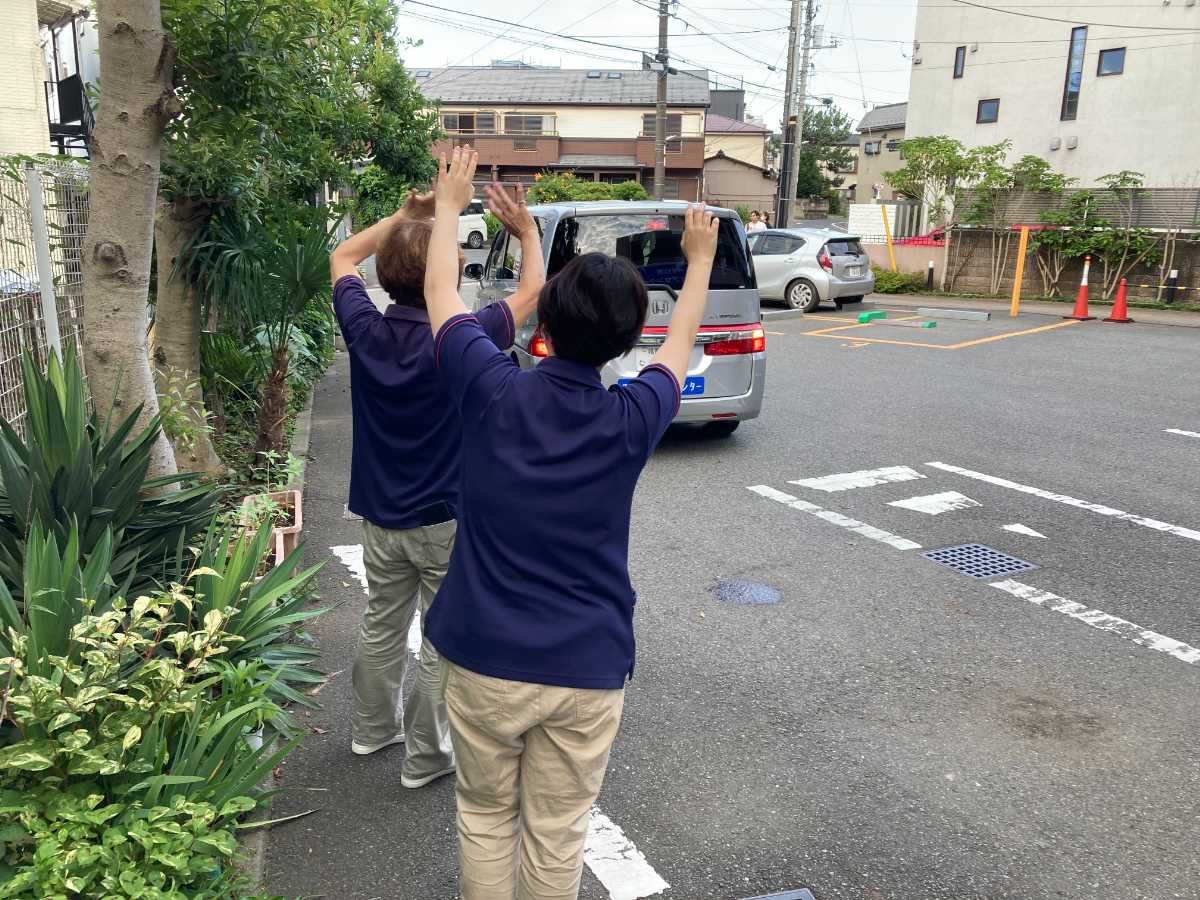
(400, 261)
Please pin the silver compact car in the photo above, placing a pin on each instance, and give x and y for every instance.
(805, 267)
(728, 366)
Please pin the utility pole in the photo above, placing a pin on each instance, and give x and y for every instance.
(660, 112)
(794, 109)
(783, 197)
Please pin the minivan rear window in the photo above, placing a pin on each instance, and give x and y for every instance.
(652, 244)
(844, 248)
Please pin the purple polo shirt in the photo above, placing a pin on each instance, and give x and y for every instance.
(538, 588)
(406, 429)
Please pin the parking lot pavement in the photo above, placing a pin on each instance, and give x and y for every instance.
(887, 727)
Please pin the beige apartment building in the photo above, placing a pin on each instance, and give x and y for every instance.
(597, 123)
(1091, 88)
(879, 135)
(50, 55)
(736, 165)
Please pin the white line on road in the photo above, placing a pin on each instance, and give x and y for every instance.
(1018, 528)
(848, 481)
(1102, 620)
(351, 556)
(836, 518)
(617, 863)
(936, 504)
(1195, 434)
(1177, 530)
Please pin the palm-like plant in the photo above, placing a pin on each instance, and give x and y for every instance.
(264, 275)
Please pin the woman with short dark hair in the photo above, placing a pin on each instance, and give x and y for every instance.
(535, 618)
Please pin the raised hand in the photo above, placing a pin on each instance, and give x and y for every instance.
(699, 234)
(418, 206)
(513, 214)
(455, 182)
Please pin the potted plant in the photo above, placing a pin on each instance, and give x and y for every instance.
(280, 505)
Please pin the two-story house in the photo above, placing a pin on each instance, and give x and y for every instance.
(597, 123)
(736, 169)
(881, 132)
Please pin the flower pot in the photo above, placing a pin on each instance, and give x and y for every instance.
(285, 537)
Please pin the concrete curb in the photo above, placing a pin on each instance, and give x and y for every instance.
(999, 308)
(769, 314)
(973, 315)
(253, 844)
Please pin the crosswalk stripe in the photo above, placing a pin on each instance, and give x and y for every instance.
(835, 518)
(848, 481)
(936, 504)
(617, 863)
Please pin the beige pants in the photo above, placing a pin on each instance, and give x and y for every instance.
(531, 759)
(401, 567)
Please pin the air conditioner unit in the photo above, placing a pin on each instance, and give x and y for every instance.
(1055, 143)
(1072, 142)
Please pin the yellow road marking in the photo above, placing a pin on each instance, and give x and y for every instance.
(838, 333)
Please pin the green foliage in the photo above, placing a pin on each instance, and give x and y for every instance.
(71, 474)
(125, 773)
(822, 149)
(938, 170)
(378, 194)
(743, 214)
(493, 225)
(810, 182)
(565, 187)
(889, 282)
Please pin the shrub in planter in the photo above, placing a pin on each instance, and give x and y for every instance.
(889, 282)
(70, 470)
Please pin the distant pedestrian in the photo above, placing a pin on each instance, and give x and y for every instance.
(535, 618)
(766, 219)
(756, 223)
(404, 473)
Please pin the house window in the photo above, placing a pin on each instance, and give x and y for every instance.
(670, 189)
(1070, 101)
(674, 129)
(469, 123)
(871, 148)
(988, 111)
(1112, 61)
(522, 123)
(893, 145)
(960, 61)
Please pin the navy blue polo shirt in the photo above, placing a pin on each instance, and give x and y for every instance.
(406, 428)
(538, 588)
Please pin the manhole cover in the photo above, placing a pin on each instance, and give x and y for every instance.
(978, 561)
(738, 591)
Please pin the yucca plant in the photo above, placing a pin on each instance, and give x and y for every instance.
(71, 472)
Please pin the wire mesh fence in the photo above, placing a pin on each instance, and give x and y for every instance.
(57, 188)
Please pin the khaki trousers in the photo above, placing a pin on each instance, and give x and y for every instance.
(531, 759)
(402, 567)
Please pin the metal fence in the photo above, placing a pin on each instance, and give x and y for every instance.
(43, 223)
(1157, 208)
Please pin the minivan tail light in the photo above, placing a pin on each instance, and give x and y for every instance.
(538, 346)
(824, 259)
(752, 340)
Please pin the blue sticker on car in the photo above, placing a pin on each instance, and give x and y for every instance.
(693, 385)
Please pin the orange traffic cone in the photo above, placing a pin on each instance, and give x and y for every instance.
(1081, 302)
(1120, 310)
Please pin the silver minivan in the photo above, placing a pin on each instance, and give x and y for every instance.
(807, 266)
(727, 370)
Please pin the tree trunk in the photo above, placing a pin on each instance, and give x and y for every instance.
(138, 60)
(175, 338)
(273, 412)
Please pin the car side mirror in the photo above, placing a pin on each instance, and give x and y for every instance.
(473, 272)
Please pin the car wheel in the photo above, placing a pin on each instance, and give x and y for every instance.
(722, 429)
(802, 294)
(474, 240)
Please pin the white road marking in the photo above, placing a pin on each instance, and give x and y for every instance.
(616, 862)
(848, 481)
(1102, 620)
(836, 518)
(1177, 530)
(351, 556)
(936, 504)
(1195, 434)
(1018, 528)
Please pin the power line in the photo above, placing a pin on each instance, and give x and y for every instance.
(1025, 15)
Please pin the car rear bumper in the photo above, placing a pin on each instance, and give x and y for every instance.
(695, 410)
(851, 287)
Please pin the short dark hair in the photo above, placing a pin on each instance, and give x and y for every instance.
(594, 309)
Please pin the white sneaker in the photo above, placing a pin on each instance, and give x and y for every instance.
(424, 780)
(368, 749)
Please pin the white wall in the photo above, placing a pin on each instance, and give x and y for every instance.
(751, 148)
(1146, 119)
(23, 123)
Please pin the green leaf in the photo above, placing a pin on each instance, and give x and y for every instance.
(30, 756)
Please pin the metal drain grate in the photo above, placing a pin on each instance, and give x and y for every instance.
(978, 561)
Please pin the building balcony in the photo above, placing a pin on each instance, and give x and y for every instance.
(544, 151)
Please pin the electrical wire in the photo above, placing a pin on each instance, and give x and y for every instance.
(1025, 15)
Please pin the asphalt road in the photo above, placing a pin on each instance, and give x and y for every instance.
(889, 728)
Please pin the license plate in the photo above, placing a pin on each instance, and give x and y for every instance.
(854, 270)
(693, 385)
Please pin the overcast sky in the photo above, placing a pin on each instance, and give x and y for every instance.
(870, 66)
